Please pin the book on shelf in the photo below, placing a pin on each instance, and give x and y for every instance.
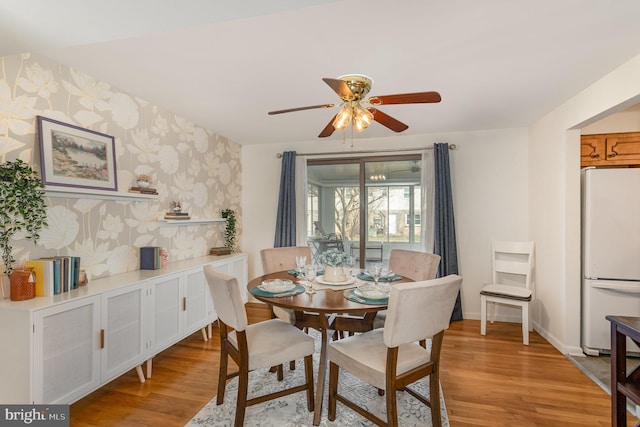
(43, 269)
(173, 216)
(142, 190)
(65, 273)
(150, 258)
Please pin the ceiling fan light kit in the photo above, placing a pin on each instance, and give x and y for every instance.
(352, 88)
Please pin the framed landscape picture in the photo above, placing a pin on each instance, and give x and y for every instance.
(71, 156)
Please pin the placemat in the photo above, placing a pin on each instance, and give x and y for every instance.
(392, 278)
(295, 291)
(356, 298)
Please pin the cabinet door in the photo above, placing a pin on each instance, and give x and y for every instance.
(236, 266)
(123, 314)
(198, 310)
(66, 351)
(592, 150)
(623, 149)
(166, 316)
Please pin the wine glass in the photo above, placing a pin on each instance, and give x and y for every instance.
(310, 275)
(376, 272)
(352, 263)
(301, 261)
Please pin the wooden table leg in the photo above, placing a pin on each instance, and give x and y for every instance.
(322, 367)
(618, 375)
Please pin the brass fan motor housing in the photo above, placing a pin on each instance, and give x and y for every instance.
(359, 84)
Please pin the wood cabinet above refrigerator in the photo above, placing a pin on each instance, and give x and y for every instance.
(610, 149)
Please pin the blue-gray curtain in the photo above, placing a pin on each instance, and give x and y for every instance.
(286, 219)
(444, 224)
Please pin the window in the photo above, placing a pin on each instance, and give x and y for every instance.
(369, 197)
(416, 219)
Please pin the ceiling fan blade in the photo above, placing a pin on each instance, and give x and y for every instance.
(339, 87)
(388, 121)
(406, 98)
(311, 107)
(328, 130)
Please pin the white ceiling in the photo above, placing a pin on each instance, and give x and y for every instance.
(224, 64)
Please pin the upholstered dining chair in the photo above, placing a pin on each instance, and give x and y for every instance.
(256, 346)
(281, 259)
(512, 284)
(390, 358)
(415, 265)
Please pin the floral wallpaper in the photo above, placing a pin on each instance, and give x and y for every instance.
(186, 162)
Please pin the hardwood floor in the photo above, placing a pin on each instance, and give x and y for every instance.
(486, 381)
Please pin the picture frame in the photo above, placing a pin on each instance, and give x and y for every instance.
(71, 156)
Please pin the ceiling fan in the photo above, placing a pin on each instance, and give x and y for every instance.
(352, 89)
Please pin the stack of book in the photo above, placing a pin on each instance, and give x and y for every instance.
(143, 190)
(55, 275)
(177, 215)
(150, 258)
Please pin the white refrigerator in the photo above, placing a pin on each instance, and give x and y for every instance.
(610, 253)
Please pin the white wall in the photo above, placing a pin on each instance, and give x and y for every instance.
(555, 200)
(489, 179)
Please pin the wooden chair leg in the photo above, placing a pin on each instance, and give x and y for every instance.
(392, 409)
(222, 374)
(434, 399)
(308, 375)
(279, 372)
(243, 386)
(333, 389)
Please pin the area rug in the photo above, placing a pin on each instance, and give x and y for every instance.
(291, 411)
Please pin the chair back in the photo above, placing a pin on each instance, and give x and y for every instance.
(512, 263)
(420, 310)
(280, 259)
(414, 265)
(227, 298)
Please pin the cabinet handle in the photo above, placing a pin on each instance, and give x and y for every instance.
(101, 338)
(595, 155)
(613, 154)
(184, 303)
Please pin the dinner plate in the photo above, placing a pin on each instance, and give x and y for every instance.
(276, 286)
(349, 281)
(371, 292)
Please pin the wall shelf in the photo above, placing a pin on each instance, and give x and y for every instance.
(82, 193)
(192, 221)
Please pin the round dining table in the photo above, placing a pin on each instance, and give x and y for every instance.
(327, 310)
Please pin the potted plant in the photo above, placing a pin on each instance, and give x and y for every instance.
(334, 261)
(22, 208)
(230, 229)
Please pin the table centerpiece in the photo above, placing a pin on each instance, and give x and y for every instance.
(334, 261)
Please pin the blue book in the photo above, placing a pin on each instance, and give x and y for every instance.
(149, 258)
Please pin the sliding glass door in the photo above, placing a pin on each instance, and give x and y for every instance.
(370, 204)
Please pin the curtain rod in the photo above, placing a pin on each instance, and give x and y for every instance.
(451, 147)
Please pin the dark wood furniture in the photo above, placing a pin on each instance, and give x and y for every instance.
(318, 311)
(623, 385)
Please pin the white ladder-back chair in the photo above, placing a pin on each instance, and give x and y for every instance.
(512, 284)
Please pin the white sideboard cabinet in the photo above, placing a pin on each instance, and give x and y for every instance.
(58, 349)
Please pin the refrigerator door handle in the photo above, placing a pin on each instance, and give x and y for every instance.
(622, 286)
